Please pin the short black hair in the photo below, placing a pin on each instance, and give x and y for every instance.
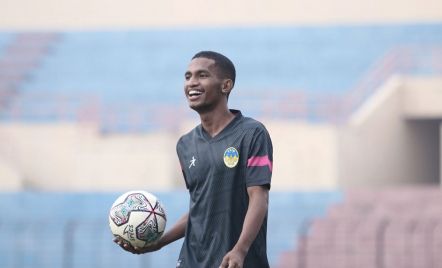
(225, 66)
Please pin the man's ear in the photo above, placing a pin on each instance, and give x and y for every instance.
(227, 86)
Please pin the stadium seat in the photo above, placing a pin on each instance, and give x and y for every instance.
(122, 67)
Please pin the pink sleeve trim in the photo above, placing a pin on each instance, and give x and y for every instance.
(181, 166)
(260, 161)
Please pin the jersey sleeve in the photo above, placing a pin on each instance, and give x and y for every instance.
(184, 175)
(260, 160)
(181, 165)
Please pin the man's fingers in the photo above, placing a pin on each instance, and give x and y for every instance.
(132, 249)
(140, 250)
(224, 263)
(129, 248)
(234, 264)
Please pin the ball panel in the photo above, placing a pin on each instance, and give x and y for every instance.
(161, 222)
(132, 201)
(149, 196)
(148, 230)
(128, 230)
(159, 210)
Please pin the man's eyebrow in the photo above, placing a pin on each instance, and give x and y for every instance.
(202, 71)
(197, 71)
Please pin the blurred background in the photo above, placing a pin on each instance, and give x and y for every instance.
(92, 106)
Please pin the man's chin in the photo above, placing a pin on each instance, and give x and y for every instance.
(199, 107)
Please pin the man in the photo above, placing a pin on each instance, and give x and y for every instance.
(227, 167)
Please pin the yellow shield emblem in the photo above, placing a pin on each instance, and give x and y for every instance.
(231, 157)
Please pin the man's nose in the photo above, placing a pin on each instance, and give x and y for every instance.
(193, 81)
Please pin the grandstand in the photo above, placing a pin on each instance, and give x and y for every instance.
(388, 228)
(92, 106)
(121, 72)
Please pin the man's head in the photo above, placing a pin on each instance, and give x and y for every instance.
(225, 67)
(210, 77)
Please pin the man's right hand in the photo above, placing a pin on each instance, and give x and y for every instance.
(176, 232)
(136, 250)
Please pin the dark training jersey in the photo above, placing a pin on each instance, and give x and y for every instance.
(217, 172)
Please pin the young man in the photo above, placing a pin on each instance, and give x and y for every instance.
(227, 167)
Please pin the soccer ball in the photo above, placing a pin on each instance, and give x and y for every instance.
(137, 218)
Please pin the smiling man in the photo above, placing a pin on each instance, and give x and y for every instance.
(227, 164)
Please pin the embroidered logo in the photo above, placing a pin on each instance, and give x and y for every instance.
(179, 263)
(192, 162)
(231, 157)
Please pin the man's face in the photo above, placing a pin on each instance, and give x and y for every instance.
(203, 85)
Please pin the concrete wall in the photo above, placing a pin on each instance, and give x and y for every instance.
(10, 177)
(69, 157)
(422, 98)
(393, 139)
(305, 155)
(114, 14)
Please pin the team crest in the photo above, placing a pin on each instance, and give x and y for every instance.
(231, 157)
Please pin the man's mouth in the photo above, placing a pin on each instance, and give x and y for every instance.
(193, 94)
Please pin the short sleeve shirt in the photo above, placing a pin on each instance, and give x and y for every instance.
(217, 172)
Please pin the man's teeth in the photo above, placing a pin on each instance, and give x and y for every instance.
(194, 92)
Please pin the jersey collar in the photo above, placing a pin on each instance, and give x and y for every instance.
(226, 129)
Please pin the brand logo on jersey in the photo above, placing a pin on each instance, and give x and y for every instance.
(179, 263)
(192, 162)
(231, 157)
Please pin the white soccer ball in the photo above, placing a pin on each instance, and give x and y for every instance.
(137, 218)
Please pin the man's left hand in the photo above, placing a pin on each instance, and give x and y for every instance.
(233, 259)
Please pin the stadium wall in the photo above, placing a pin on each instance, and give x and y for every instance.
(70, 157)
(135, 14)
(10, 177)
(393, 139)
(67, 157)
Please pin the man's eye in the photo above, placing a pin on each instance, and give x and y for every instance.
(187, 77)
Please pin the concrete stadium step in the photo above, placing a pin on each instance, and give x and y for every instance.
(375, 228)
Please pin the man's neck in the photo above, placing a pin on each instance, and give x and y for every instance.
(215, 121)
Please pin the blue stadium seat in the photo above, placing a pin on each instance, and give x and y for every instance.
(311, 58)
(127, 66)
(5, 40)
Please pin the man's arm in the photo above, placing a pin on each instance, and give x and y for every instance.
(256, 212)
(176, 232)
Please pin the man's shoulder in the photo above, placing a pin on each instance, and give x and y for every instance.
(189, 136)
(252, 125)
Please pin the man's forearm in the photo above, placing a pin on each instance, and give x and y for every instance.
(257, 210)
(176, 232)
